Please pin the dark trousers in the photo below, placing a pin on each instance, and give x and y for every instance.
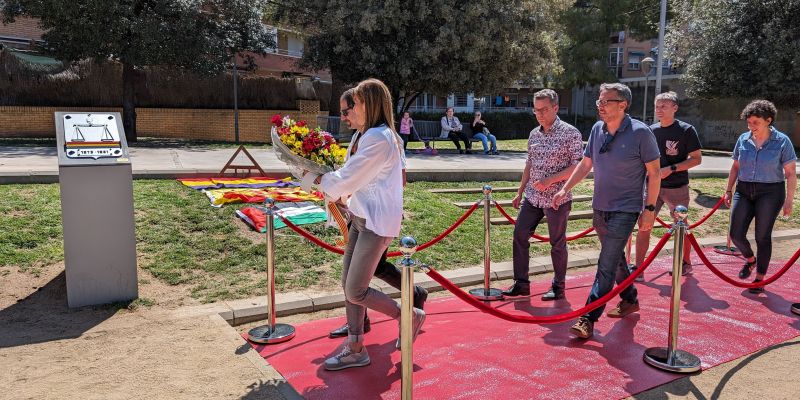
(405, 140)
(455, 136)
(527, 221)
(762, 201)
(613, 228)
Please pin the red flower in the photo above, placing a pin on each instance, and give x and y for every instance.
(301, 123)
(277, 120)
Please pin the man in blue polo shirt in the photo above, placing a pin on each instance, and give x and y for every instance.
(623, 151)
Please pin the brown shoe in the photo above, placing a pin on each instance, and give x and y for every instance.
(583, 329)
(623, 308)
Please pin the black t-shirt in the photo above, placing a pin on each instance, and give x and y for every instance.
(675, 142)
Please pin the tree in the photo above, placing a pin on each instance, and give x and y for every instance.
(584, 36)
(434, 46)
(197, 35)
(739, 48)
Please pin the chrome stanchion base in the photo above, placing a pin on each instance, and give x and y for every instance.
(728, 251)
(264, 335)
(490, 294)
(796, 308)
(683, 362)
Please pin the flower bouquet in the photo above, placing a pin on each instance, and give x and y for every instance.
(313, 150)
(303, 148)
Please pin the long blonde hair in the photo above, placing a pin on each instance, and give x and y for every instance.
(377, 103)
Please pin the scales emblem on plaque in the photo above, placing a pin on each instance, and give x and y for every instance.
(94, 137)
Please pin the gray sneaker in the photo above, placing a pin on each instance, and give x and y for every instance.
(347, 359)
(685, 270)
(419, 319)
(632, 269)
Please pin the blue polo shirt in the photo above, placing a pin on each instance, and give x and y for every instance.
(619, 173)
(764, 165)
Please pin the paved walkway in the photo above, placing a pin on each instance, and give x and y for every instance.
(40, 164)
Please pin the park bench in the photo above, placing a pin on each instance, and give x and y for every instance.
(431, 130)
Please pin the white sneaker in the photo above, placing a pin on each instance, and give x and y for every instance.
(419, 319)
(348, 359)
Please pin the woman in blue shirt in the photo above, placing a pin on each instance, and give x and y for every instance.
(764, 173)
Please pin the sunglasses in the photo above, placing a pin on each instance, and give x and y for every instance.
(603, 103)
(606, 143)
(346, 111)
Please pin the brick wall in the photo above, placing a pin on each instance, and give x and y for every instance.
(201, 124)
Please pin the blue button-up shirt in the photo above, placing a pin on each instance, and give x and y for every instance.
(764, 165)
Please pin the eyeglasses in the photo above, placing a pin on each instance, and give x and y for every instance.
(540, 111)
(603, 103)
(607, 142)
(346, 111)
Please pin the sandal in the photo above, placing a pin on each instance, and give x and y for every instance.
(747, 269)
(756, 290)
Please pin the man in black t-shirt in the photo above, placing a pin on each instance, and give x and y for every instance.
(680, 150)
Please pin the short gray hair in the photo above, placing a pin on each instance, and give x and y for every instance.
(669, 96)
(548, 94)
(622, 91)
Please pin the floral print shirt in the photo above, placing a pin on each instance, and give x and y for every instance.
(550, 152)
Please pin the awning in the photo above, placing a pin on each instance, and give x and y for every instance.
(36, 61)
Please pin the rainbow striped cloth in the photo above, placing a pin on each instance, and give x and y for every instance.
(257, 182)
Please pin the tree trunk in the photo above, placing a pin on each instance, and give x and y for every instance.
(337, 88)
(129, 101)
(408, 103)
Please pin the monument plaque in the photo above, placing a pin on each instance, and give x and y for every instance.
(96, 183)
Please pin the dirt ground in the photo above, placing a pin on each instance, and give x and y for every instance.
(175, 350)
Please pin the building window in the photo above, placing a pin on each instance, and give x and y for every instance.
(460, 100)
(614, 57)
(634, 61)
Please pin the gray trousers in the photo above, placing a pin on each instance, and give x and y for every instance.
(364, 250)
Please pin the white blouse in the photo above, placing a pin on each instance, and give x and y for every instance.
(373, 179)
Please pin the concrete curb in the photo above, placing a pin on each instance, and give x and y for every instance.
(238, 312)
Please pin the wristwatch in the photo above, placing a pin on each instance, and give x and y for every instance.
(673, 167)
(650, 207)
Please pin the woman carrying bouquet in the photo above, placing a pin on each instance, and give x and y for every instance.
(372, 177)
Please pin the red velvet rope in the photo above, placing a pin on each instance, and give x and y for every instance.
(321, 243)
(302, 232)
(550, 319)
(733, 282)
(540, 237)
(701, 220)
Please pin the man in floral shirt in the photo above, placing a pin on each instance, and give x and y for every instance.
(554, 149)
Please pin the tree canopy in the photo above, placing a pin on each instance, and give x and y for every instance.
(584, 31)
(197, 35)
(435, 46)
(739, 48)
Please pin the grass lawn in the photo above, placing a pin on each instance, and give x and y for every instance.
(183, 241)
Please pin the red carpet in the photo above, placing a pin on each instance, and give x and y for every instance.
(465, 354)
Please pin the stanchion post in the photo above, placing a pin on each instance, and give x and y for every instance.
(670, 358)
(408, 246)
(487, 293)
(272, 332)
